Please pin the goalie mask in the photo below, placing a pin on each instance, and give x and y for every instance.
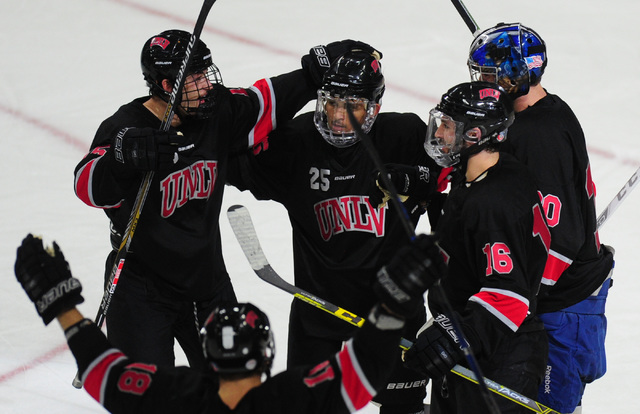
(470, 117)
(237, 339)
(161, 58)
(512, 55)
(354, 79)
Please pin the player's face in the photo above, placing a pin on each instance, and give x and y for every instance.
(196, 87)
(446, 133)
(338, 117)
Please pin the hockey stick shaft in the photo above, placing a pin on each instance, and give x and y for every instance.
(245, 233)
(617, 200)
(466, 16)
(408, 226)
(143, 191)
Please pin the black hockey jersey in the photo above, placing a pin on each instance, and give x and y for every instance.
(339, 239)
(342, 384)
(177, 240)
(494, 239)
(547, 137)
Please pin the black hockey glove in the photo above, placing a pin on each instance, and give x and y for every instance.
(436, 350)
(411, 182)
(46, 277)
(320, 57)
(148, 149)
(401, 284)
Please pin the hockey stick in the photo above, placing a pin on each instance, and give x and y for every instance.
(617, 200)
(143, 191)
(404, 219)
(466, 16)
(245, 233)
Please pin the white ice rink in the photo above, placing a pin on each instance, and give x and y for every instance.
(68, 64)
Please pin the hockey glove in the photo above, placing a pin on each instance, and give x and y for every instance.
(46, 278)
(415, 182)
(148, 149)
(401, 284)
(436, 350)
(320, 57)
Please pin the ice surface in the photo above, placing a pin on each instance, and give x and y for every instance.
(68, 64)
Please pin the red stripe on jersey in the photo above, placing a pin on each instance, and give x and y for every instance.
(239, 91)
(443, 178)
(555, 266)
(505, 305)
(267, 116)
(353, 384)
(83, 182)
(95, 381)
(84, 179)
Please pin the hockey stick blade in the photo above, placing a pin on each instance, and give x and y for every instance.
(143, 191)
(245, 233)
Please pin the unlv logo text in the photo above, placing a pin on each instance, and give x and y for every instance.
(191, 183)
(348, 213)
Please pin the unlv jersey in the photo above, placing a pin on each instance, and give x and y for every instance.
(339, 239)
(494, 239)
(341, 384)
(556, 155)
(177, 240)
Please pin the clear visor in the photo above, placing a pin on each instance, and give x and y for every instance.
(444, 139)
(332, 118)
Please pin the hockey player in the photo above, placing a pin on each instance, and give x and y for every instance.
(238, 346)
(174, 261)
(547, 137)
(318, 170)
(494, 239)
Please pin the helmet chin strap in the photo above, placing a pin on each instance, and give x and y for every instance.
(477, 147)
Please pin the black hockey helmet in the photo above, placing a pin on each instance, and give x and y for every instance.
(466, 106)
(237, 339)
(513, 55)
(356, 73)
(162, 56)
(354, 76)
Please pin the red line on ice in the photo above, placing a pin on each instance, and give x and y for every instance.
(46, 357)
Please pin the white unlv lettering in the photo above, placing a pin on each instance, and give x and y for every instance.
(194, 182)
(348, 213)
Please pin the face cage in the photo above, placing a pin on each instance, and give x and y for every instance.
(443, 153)
(515, 83)
(342, 139)
(192, 103)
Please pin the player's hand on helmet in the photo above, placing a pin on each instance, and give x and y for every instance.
(46, 278)
(436, 349)
(410, 181)
(401, 284)
(148, 149)
(320, 57)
